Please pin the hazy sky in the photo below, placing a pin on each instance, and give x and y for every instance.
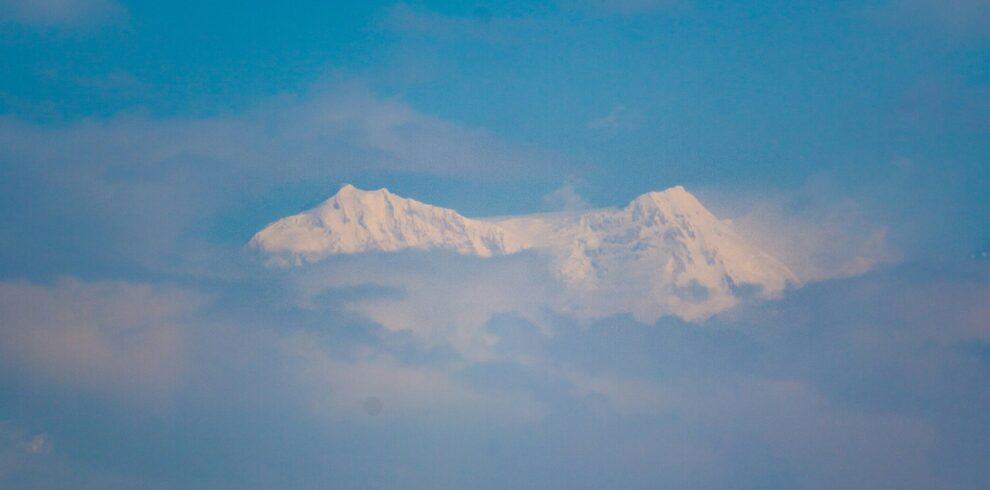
(143, 143)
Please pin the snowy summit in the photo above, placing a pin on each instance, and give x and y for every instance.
(354, 221)
(662, 253)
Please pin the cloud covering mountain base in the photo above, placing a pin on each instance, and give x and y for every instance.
(663, 254)
(842, 383)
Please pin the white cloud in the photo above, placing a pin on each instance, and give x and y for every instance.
(339, 390)
(108, 337)
(109, 178)
(818, 232)
(442, 299)
(566, 198)
(447, 300)
(846, 384)
(62, 13)
(333, 131)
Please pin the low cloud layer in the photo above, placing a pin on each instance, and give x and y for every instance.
(865, 382)
(816, 234)
(144, 345)
(106, 337)
(100, 181)
(203, 368)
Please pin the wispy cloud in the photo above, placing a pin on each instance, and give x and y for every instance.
(117, 81)
(138, 351)
(631, 7)
(956, 17)
(818, 230)
(566, 198)
(338, 390)
(117, 338)
(62, 13)
(610, 121)
(482, 26)
(776, 391)
(105, 176)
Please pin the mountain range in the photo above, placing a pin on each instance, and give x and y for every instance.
(663, 253)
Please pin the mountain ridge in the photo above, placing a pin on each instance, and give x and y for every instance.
(355, 221)
(662, 252)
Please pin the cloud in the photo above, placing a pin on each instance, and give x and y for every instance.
(436, 371)
(117, 81)
(609, 121)
(957, 17)
(109, 337)
(440, 298)
(17, 454)
(819, 230)
(871, 375)
(339, 390)
(632, 7)
(868, 373)
(333, 131)
(810, 249)
(38, 444)
(845, 382)
(482, 26)
(30, 460)
(513, 24)
(104, 179)
(566, 198)
(617, 119)
(625, 395)
(62, 13)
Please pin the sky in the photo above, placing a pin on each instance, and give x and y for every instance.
(142, 144)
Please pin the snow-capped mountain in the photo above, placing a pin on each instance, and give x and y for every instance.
(355, 221)
(670, 229)
(662, 253)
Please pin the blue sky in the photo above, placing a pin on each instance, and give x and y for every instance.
(761, 96)
(142, 144)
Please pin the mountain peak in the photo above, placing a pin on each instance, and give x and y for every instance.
(666, 244)
(677, 193)
(354, 221)
(674, 200)
(350, 190)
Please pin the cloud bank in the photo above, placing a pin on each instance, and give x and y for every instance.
(198, 367)
(842, 383)
(104, 177)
